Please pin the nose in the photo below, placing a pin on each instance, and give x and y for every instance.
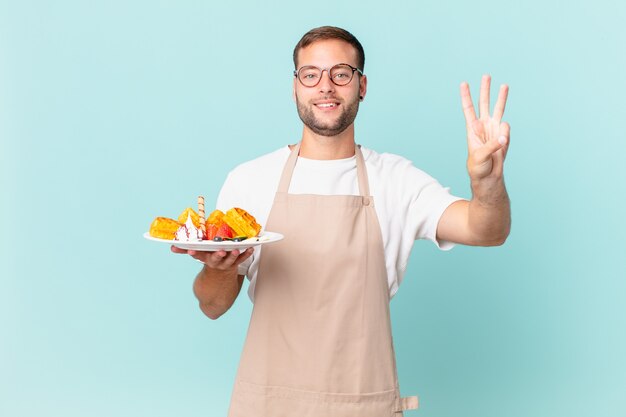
(326, 85)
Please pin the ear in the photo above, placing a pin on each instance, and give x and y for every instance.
(363, 86)
(293, 90)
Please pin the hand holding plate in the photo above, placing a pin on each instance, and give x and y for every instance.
(219, 260)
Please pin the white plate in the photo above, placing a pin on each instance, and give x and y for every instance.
(211, 246)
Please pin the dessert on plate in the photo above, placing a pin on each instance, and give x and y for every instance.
(236, 224)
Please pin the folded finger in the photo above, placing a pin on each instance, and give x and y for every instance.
(505, 136)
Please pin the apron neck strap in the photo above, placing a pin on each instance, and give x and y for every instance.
(361, 171)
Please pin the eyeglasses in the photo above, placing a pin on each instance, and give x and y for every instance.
(340, 74)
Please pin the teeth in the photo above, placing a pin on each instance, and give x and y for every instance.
(326, 105)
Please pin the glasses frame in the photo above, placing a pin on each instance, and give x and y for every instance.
(354, 69)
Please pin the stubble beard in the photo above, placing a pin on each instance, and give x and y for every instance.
(345, 119)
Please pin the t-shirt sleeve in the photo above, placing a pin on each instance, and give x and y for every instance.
(228, 193)
(428, 200)
(432, 201)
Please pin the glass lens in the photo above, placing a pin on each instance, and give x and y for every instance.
(309, 75)
(341, 74)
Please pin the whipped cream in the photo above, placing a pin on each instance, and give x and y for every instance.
(188, 232)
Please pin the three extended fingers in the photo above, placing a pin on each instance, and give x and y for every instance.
(483, 102)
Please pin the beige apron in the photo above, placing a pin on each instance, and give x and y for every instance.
(319, 342)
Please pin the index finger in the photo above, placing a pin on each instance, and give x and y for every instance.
(466, 102)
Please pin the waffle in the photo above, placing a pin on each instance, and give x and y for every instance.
(164, 228)
(195, 218)
(242, 222)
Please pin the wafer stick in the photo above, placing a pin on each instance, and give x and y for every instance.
(201, 213)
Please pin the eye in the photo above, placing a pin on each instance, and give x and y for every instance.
(341, 72)
(309, 73)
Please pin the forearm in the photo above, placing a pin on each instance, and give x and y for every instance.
(216, 290)
(489, 212)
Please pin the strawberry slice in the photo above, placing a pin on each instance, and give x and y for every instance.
(211, 231)
(225, 231)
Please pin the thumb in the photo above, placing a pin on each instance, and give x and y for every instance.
(491, 147)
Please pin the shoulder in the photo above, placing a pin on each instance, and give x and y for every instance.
(261, 164)
(391, 167)
(254, 181)
(258, 172)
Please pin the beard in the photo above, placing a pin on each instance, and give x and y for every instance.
(332, 128)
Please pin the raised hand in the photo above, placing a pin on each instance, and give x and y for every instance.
(487, 136)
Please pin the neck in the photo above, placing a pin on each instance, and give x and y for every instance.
(315, 146)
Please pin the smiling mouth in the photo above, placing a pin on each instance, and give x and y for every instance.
(327, 105)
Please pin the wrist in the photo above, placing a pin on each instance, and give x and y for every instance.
(489, 191)
(219, 273)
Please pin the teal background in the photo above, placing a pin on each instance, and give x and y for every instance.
(112, 113)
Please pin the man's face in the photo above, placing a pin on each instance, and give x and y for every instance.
(328, 109)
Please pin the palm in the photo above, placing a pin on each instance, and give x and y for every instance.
(487, 135)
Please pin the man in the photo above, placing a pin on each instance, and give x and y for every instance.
(319, 341)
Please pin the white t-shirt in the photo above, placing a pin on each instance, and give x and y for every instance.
(408, 201)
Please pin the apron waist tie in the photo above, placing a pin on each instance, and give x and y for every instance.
(407, 403)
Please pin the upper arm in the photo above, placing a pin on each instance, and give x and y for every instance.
(457, 225)
(453, 224)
